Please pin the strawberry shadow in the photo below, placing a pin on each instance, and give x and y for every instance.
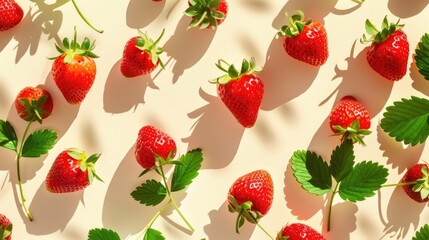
(256, 5)
(177, 46)
(222, 225)
(122, 94)
(135, 18)
(402, 9)
(213, 124)
(343, 221)
(419, 82)
(52, 212)
(284, 77)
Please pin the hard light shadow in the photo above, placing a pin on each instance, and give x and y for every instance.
(151, 9)
(403, 9)
(343, 221)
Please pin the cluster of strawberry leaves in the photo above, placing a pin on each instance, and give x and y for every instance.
(153, 192)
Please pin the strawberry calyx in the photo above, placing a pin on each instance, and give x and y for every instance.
(378, 36)
(73, 48)
(247, 68)
(296, 25)
(353, 132)
(33, 108)
(204, 13)
(245, 212)
(422, 184)
(160, 161)
(5, 231)
(85, 163)
(145, 43)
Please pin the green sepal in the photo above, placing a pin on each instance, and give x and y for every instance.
(353, 132)
(422, 56)
(5, 231)
(204, 13)
(375, 35)
(296, 24)
(231, 73)
(422, 185)
(244, 211)
(145, 43)
(85, 164)
(33, 108)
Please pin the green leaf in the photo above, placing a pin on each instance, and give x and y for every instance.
(102, 234)
(150, 193)
(342, 160)
(422, 56)
(362, 182)
(8, 137)
(152, 234)
(301, 173)
(407, 120)
(319, 172)
(39, 143)
(423, 233)
(185, 173)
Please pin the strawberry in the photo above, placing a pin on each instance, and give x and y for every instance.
(33, 104)
(305, 39)
(74, 69)
(299, 231)
(241, 92)
(152, 142)
(206, 13)
(71, 171)
(350, 119)
(251, 196)
(5, 228)
(10, 14)
(415, 183)
(141, 55)
(388, 53)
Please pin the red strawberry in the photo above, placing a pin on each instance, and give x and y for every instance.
(74, 69)
(206, 13)
(33, 104)
(251, 196)
(299, 231)
(306, 40)
(388, 53)
(5, 228)
(350, 119)
(150, 142)
(141, 55)
(71, 171)
(10, 14)
(417, 183)
(241, 92)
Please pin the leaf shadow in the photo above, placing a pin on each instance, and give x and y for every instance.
(403, 9)
(122, 94)
(178, 47)
(213, 124)
(343, 221)
(135, 18)
(419, 82)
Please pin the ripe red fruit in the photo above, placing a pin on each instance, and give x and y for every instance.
(388, 53)
(350, 120)
(251, 195)
(305, 39)
(241, 92)
(141, 55)
(5, 228)
(10, 14)
(33, 104)
(74, 69)
(299, 231)
(71, 171)
(417, 178)
(206, 13)
(152, 142)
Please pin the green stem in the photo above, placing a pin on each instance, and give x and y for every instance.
(265, 231)
(18, 169)
(399, 184)
(84, 18)
(149, 225)
(330, 206)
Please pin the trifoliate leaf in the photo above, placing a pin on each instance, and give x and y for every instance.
(150, 193)
(302, 175)
(185, 173)
(422, 56)
(407, 120)
(8, 137)
(362, 182)
(423, 233)
(152, 234)
(39, 143)
(102, 234)
(342, 160)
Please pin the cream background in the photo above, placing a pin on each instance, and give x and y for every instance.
(179, 100)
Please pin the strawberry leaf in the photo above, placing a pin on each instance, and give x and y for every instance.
(342, 160)
(8, 137)
(423, 233)
(311, 172)
(102, 234)
(407, 120)
(150, 193)
(185, 172)
(152, 234)
(39, 143)
(362, 182)
(422, 56)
